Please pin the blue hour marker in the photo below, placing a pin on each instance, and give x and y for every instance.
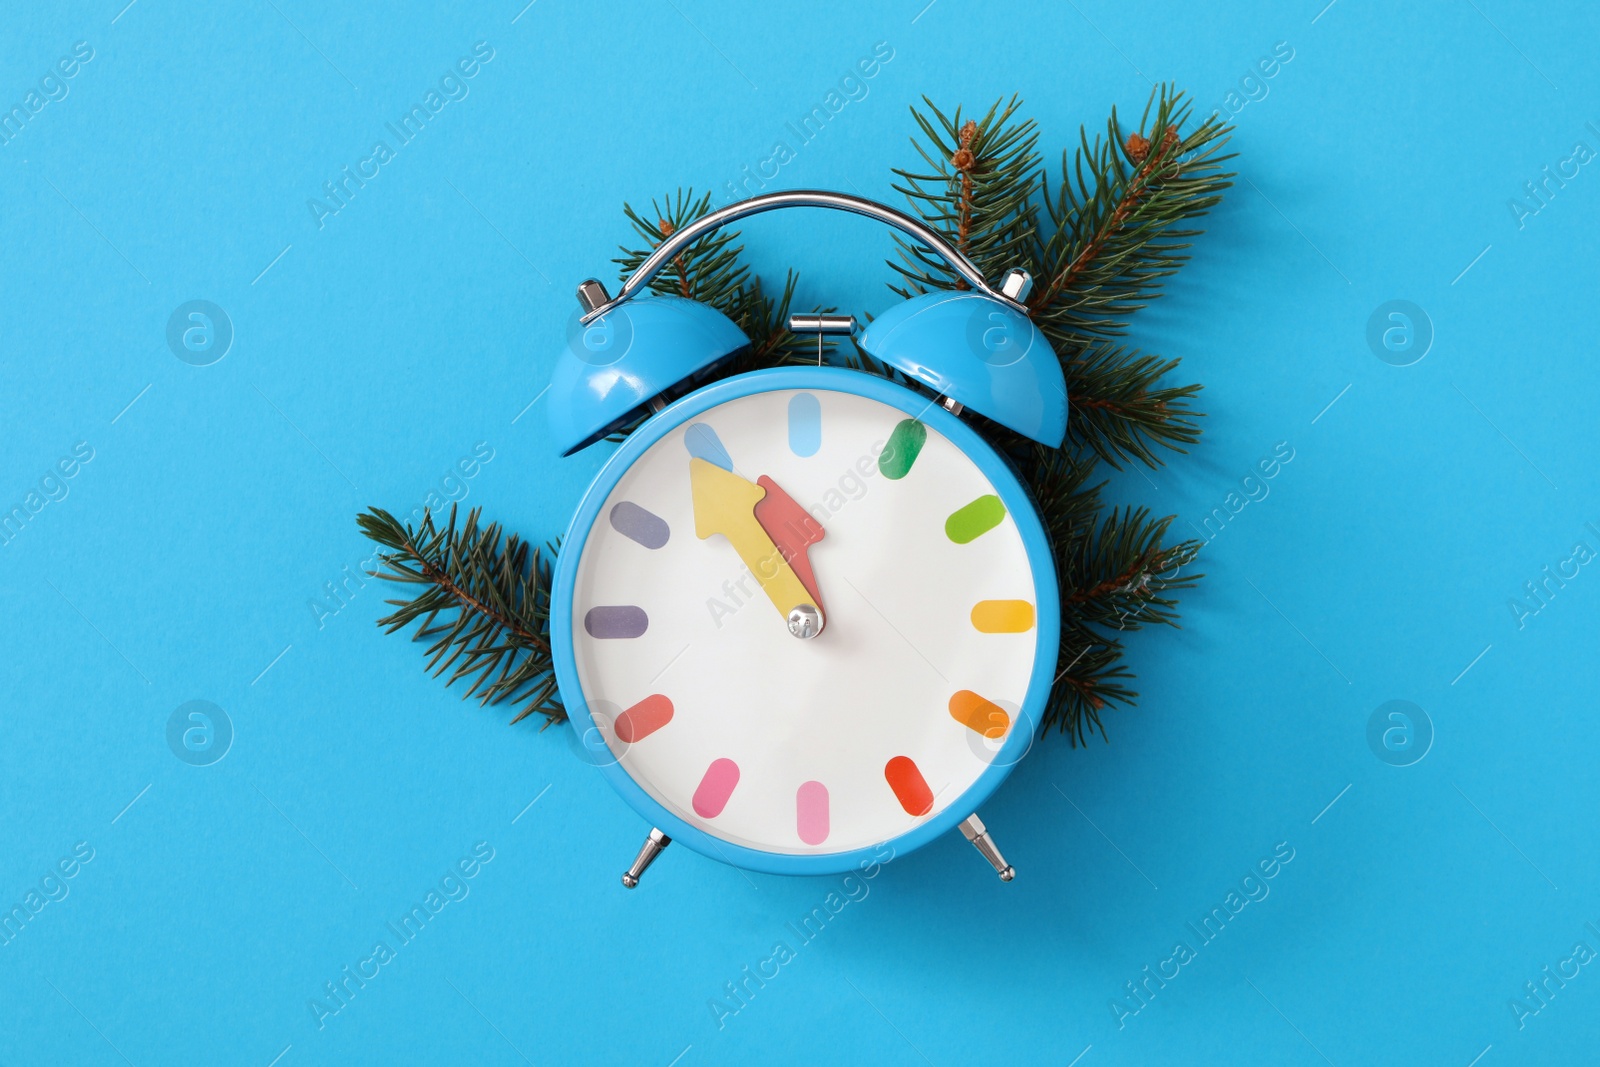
(805, 424)
(703, 443)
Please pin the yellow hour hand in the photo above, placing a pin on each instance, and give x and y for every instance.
(724, 503)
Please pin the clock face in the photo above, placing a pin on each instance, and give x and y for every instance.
(771, 515)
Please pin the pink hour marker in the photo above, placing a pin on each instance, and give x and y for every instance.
(811, 812)
(715, 788)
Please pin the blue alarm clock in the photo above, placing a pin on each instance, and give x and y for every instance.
(805, 612)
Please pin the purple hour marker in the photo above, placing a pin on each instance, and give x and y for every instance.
(618, 621)
(637, 524)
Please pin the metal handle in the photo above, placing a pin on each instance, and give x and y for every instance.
(856, 205)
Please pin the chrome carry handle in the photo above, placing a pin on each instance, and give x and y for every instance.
(597, 302)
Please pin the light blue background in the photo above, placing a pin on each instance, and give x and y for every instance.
(424, 318)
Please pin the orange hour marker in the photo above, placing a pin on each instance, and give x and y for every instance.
(910, 788)
(1002, 616)
(979, 715)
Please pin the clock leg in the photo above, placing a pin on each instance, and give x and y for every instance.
(973, 830)
(647, 854)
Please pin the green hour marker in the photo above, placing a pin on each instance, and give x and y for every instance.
(905, 444)
(975, 519)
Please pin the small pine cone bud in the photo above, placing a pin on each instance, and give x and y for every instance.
(1137, 147)
(963, 160)
(1169, 139)
(666, 227)
(968, 132)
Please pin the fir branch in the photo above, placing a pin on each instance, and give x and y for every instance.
(1091, 680)
(1117, 218)
(1059, 479)
(979, 190)
(1118, 229)
(708, 270)
(494, 594)
(1114, 574)
(1120, 409)
(1098, 252)
(1121, 576)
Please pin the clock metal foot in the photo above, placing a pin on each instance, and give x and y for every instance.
(973, 830)
(647, 854)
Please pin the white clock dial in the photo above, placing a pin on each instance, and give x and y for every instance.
(920, 581)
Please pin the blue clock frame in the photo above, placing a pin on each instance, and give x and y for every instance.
(1019, 504)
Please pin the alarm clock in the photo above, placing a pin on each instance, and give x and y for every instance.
(805, 612)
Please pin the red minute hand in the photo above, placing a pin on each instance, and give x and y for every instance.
(792, 529)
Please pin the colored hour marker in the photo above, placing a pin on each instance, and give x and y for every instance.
(905, 444)
(703, 443)
(643, 719)
(637, 524)
(805, 424)
(811, 812)
(616, 621)
(1002, 616)
(715, 788)
(975, 519)
(909, 786)
(979, 715)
